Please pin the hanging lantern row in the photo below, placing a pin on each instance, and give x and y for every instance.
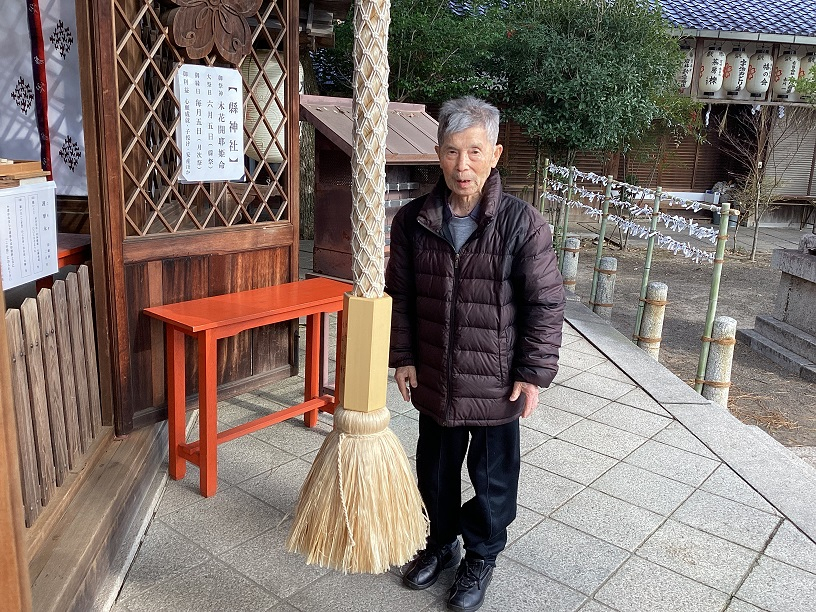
(759, 73)
(737, 71)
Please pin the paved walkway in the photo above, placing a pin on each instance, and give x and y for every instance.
(636, 494)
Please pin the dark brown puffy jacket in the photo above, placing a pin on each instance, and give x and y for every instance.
(474, 323)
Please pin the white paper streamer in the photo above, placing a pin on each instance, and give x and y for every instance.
(633, 190)
(637, 230)
(672, 222)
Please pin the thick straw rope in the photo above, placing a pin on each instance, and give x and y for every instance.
(370, 110)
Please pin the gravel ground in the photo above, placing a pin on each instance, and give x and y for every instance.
(762, 393)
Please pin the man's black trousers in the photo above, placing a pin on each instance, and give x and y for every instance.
(493, 462)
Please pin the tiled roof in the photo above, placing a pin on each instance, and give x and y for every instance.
(793, 17)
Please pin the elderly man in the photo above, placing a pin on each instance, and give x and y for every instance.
(477, 313)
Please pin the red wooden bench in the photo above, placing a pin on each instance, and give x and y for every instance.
(211, 318)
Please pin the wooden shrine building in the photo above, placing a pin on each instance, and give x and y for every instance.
(167, 225)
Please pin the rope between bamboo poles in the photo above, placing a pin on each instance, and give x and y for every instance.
(654, 302)
(720, 341)
(714, 384)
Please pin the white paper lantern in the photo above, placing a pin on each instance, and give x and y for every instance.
(263, 137)
(711, 71)
(805, 68)
(759, 73)
(686, 71)
(735, 72)
(786, 69)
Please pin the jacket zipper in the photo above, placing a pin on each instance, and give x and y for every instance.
(451, 337)
(453, 307)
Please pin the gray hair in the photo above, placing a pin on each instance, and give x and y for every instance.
(461, 114)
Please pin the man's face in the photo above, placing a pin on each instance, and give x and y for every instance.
(466, 159)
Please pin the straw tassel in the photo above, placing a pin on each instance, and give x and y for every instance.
(351, 514)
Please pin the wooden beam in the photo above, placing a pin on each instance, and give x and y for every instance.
(292, 102)
(15, 593)
(100, 109)
(236, 239)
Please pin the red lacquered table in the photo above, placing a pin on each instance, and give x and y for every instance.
(209, 319)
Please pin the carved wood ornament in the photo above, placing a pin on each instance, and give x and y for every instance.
(198, 25)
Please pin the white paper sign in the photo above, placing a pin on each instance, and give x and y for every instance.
(28, 233)
(210, 134)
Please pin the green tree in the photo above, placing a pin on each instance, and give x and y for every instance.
(436, 50)
(588, 75)
(806, 86)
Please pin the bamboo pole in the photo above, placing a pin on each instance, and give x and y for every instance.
(565, 220)
(544, 177)
(713, 295)
(15, 592)
(647, 266)
(601, 236)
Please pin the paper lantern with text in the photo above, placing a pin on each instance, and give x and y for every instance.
(759, 73)
(785, 70)
(686, 71)
(711, 71)
(735, 73)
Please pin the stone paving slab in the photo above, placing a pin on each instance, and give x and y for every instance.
(568, 555)
(704, 558)
(622, 506)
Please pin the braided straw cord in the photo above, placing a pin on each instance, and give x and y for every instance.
(370, 119)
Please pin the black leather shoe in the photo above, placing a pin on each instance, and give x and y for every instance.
(470, 585)
(424, 570)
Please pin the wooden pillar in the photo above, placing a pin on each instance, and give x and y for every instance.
(15, 592)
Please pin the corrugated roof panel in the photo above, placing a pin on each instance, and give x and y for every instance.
(411, 131)
(792, 161)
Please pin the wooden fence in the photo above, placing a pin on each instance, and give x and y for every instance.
(55, 384)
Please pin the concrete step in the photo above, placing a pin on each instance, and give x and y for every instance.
(785, 334)
(778, 354)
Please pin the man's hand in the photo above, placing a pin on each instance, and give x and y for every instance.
(530, 396)
(405, 376)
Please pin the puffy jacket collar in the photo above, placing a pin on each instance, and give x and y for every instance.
(431, 215)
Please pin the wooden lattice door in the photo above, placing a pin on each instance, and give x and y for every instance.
(157, 240)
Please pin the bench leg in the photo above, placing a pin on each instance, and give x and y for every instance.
(207, 413)
(312, 374)
(174, 341)
(339, 357)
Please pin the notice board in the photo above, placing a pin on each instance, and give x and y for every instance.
(28, 233)
(210, 133)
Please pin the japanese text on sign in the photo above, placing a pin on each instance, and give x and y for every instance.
(210, 133)
(28, 233)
